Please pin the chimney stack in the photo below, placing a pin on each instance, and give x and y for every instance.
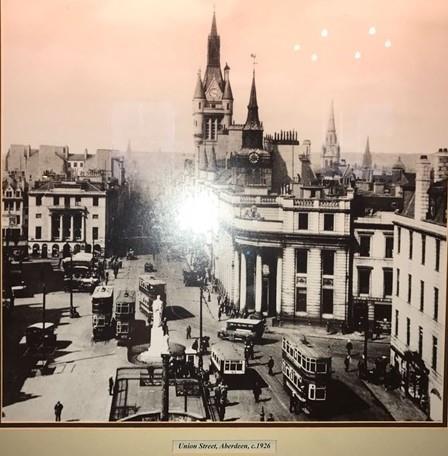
(422, 183)
(442, 164)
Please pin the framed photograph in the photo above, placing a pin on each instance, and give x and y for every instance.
(224, 226)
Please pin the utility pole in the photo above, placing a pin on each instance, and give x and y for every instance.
(165, 387)
(71, 285)
(201, 297)
(366, 329)
(44, 294)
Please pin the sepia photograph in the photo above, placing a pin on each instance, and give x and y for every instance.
(224, 214)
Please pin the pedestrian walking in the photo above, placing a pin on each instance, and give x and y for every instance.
(219, 314)
(251, 349)
(271, 365)
(224, 390)
(221, 411)
(188, 332)
(292, 404)
(107, 277)
(217, 395)
(257, 392)
(262, 414)
(247, 354)
(349, 347)
(111, 386)
(58, 411)
(347, 363)
(151, 373)
(115, 270)
(219, 300)
(270, 417)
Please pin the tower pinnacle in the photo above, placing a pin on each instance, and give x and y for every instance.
(252, 108)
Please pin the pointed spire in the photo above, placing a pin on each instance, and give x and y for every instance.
(252, 108)
(367, 157)
(214, 30)
(199, 90)
(227, 95)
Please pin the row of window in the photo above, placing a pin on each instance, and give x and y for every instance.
(38, 233)
(435, 314)
(10, 194)
(420, 339)
(364, 275)
(9, 205)
(327, 300)
(315, 393)
(365, 246)
(423, 248)
(327, 257)
(328, 221)
(57, 199)
(307, 363)
(75, 164)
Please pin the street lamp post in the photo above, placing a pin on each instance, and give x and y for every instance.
(44, 295)
(165, 387)
(201, 297)
(366, 329)
(71, 286)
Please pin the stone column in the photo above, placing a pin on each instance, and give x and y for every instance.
(236, 278)
(243, 282)
(61, 227)
(258, 283)
(72, 227)
(278, 291)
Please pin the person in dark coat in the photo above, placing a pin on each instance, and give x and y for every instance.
(270, 417)
(349, 347)
(111, 386)
(262, 414)
(257, 392)
(271, 365)
(188, 332)
(347, 363)
(58, 411)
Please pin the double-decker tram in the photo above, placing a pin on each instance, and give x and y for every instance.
(149, 287)
(227, 359)
(306, 374)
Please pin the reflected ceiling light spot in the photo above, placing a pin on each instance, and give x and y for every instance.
(324, 33)
(372, 31)
(296, 47)
(314, 57)
(388, 43)
(357, 55)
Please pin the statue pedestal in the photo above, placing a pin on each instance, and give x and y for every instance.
(159, 345)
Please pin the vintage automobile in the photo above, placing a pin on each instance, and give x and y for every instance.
(149, 267)
(242, 329)
(40, 336)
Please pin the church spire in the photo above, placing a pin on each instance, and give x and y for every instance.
(214, 30)
(253, 130)
(331, 123)
(252, 108)
(213, 70)
(367, 157)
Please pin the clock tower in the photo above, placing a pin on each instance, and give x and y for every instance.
(212, 100)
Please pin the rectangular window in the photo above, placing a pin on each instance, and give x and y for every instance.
(420, 341)
(77, 199)
(303, 221)
(81, 164)
(18, 204)
(411, 244)
(328, 222)
(56, 200)
(408, 331)
(364, 280)
(18, 219)
(38, 215)
(434, 353)
(409, 288)
(75, 164)
(300, 299)
(328, 262)
(95, 201)
(38, 201)
(38, 234)
(423, 248)
(437, 254)
(436, 304)
(327, 297)
(95, 233)
(398, 239)
(398, 282)
(66, 201)
(364, 242)
(396, 322)
(387, 282)
(389, 246)
(422, 296)
(301, 261)
(95, 216)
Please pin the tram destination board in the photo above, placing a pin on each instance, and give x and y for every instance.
(185, 387)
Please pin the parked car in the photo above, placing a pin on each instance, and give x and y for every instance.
(149, 267)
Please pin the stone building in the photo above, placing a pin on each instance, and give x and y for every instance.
(283, 246)
(72, 213)
(419, 291)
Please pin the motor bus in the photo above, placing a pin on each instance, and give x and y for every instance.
(102, 306)
(149, 287)
(306, 374)
(242, 329)
(80, 272)
(124, 314)
(227, 359)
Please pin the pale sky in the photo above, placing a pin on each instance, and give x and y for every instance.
(97, 73)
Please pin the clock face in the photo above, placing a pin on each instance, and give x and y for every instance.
(214, 92)
(254, 157)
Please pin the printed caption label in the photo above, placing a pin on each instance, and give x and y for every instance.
(224, 446)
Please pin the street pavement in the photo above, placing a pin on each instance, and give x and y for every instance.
(78, 375)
